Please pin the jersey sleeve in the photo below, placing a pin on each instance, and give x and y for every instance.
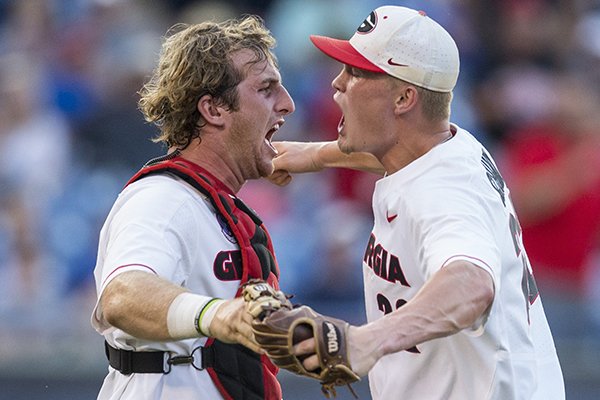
(139, 247)
(458, 226)
(143, 235)
(461, 227)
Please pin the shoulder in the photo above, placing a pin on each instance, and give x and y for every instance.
(159, 197)
(455, 177)
(160, 189)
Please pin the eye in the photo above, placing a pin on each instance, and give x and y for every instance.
(357, 72)
(266, 89)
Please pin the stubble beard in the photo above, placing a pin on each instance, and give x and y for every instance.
(252, 157)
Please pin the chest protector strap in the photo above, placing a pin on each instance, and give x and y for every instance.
(237, 372)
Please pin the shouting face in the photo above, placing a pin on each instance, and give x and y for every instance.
(263, 102)
(366, 101)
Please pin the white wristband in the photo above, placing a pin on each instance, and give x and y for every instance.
(183, 314)
(207, 314)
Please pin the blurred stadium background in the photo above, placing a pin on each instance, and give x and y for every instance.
(70, 136)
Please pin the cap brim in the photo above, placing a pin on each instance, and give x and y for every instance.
(342, 51)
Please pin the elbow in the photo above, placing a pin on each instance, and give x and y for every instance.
(486, 297)
(480, 295)
(482, 303)
(110, 312)
(483, 291)
(112, 304)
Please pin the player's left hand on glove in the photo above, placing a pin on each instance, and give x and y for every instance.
(279, 331)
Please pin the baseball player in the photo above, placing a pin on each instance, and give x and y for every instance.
(452, 306)
(178, 244)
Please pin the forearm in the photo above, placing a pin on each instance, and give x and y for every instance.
(149, 307)
(454, 299)
(138, 303)
(300, 157)
(330, 156)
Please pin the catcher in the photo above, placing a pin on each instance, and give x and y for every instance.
(178, 243)
(453, 309)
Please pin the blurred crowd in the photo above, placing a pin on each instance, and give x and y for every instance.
(71, 135)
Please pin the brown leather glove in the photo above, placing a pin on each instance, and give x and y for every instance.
(280, 330)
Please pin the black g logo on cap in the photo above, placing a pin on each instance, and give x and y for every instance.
(368, 24)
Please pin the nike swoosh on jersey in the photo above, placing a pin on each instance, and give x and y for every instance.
(390, 218)
(392, 62)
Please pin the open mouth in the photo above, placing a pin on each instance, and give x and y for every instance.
(341, 124)
(271, 133)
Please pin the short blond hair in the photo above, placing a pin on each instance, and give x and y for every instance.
(436, 105)
(195, 60)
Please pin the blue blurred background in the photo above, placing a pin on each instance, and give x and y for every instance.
(70, 136)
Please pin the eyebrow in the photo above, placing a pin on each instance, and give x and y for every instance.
(271, 80)
(365, 73)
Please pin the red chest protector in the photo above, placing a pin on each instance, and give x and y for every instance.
(237, 372)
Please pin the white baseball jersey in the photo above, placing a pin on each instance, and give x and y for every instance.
(164, 226)
(452, 204)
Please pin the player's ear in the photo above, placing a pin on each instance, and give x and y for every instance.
(210, 111)
(405, 99)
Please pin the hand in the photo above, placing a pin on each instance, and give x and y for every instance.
(360, 356)
(280, 177)
(300, 157)
(232, 324)
(297, 157)
(294, 157)
(262, 299)
(282, 330)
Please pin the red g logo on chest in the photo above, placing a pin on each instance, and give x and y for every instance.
(228, 265)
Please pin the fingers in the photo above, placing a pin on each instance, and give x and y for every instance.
(244, 334)
(281, 147)
(311, 363)
(280, 177)
(307, 346)
(251, 344)
(232, 324)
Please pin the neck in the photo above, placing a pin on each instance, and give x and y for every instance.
(413, 144)
(213, 163)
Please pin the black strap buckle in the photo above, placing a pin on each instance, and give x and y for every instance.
(156, 362)
(182, 360)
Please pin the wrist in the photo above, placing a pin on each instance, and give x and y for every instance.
(322, 155)
(206, 316)
(183, 313)
(363, 352)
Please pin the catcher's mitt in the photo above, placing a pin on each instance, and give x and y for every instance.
(280, 330)
(262, 299)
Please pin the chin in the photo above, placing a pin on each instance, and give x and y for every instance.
(266, 170)
(343, 145)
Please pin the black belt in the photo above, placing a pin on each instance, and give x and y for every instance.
(154, 362)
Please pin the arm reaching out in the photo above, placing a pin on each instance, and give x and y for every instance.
(454, 299)
(149, 307)
(300, 157)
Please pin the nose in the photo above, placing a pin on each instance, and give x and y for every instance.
(338, 81)
(286, 103)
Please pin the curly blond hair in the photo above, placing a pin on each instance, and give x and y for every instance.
(196, 60)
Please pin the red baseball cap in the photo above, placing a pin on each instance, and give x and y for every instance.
(400, 42)
(342, 51)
